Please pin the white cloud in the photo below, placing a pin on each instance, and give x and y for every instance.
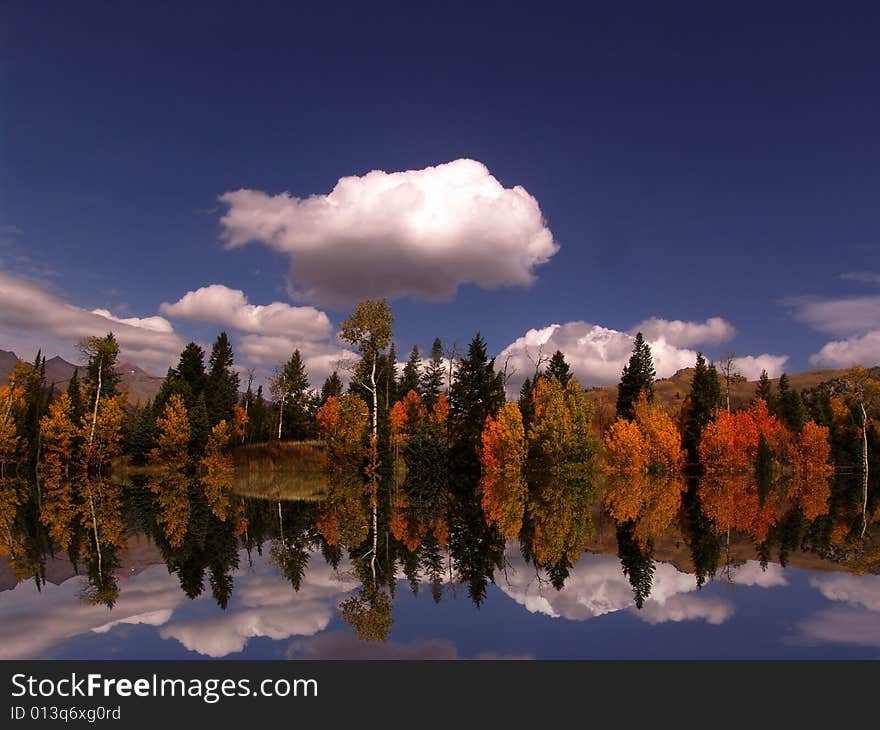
(155, 324)
(265, 605)
(597, 354)
(856, 590)
(230, 307)
(597, 586)
(750, 366)
(713, 331)
(839, 316)
(30, 313)
(858, 350)
(751, 573)
(36, 622)
(856, 621)
(418, 232)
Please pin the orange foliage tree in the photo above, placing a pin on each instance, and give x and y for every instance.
(57, 508)
(649, 442)
(503, 487)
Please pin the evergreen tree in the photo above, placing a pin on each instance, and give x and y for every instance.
(764, 391)
(790, 408)
(144, 438)
(186, 380)
(332, 387)
(74, 392)
(191, 371)
(527, 404)
(221, 392)
(290, 389)
(411, 376)
(783, 387)
(638, 375)
(558, 368)
(101, 354)
(704, 398)
(257, 427)
(478, 392)
(199, 426)
(434, 376)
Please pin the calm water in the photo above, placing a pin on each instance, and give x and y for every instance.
(212, 597)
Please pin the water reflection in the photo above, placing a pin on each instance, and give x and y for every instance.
(195, 564)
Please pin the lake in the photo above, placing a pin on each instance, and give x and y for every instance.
(273, 585)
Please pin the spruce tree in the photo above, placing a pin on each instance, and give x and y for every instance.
(478, 392)
(764, 391)
(558, 368)
(434, 377)
(199, 426)
(411, 376)
(74, 393)
(101, 354)
(221, 391)
(704, 398)
(527, 404)
(332, 387)
(791, 408)
(290, 388)
(638, 375)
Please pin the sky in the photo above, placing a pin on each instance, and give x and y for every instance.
(552, 175)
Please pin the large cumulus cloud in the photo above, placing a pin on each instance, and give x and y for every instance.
(417, 232)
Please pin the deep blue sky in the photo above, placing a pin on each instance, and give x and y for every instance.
(691, 159)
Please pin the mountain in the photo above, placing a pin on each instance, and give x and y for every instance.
(140, 385)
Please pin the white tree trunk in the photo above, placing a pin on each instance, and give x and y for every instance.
(97, 399)
(281, 415)
(864, 469)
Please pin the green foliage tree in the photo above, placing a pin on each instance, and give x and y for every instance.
(332, 387)
(764, 391)
(221, 387)
(290, 391)
(790, 407)
(411, 378)
(558, 368)
(74, 393)
(477, 392)
(434, 376)
(638, 375)
(705, 397)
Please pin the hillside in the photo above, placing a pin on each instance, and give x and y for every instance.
(673, 390)
(140, 385)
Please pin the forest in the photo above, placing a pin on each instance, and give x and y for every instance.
(430, 468)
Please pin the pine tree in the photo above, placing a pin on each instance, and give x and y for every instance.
(221, 392)
(411, 376)
(434, 376)
(558, 368)
(638, 375)
(478, 392)
(791, 407)
(74, 393)
(290, 390)
(101, 354)
(199, 426)
(257, 427)
(704, 398)
(332, 387)
(764, 391)
(527, 404)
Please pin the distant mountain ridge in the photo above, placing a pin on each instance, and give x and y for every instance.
(139, 384)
